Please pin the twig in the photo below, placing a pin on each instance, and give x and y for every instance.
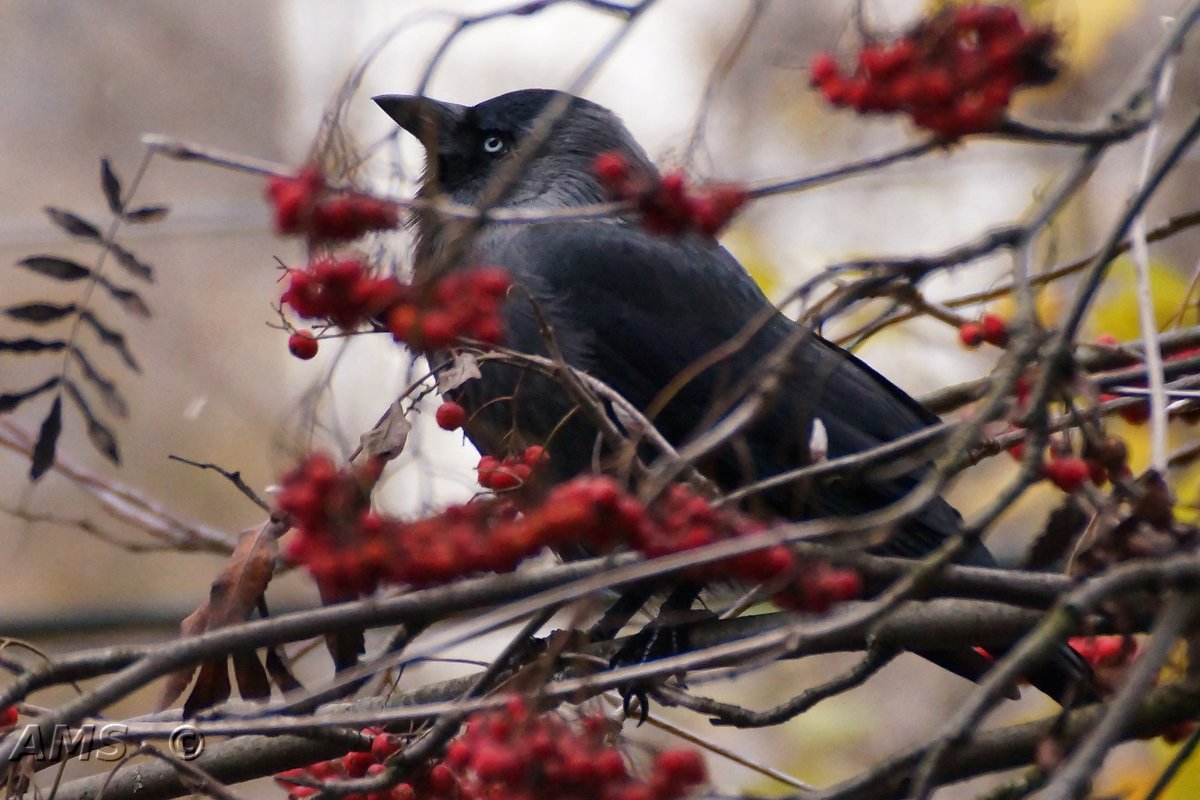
(1145, 297)
(739, 717)
(233, 477)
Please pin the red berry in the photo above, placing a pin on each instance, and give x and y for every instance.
(934, 86)
(8, 716)
(384, 745)
(357, 763)
(1135, 414)
(970, 334)
(450, 416)
(973, 114)
(994, 330)
(442, 780)
(837, 90)
(823, 68)
(681, 767)
(1067, 473)
(437, 330)
(303, 345)
(612, 168)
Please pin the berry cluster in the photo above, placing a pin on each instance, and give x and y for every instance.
(1104, 651)
(513, 472)
(990, 328)
(461, 304)
(343, 291)
(464, 304)
(356, 764)
(305, 205)
(1143, 526)
(682, 520)
(516, 754)
(953, 73)
(350, 550)
(1099, 463)
(668, 205)
(1068, 473)
(331, 511)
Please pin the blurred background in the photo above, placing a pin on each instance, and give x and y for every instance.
(84, 80)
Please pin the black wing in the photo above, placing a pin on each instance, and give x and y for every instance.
(637, 310)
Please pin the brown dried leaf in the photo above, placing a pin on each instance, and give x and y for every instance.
(212, 687)
(251, 676)
(386, 440)
(463, 368)
(233, 597)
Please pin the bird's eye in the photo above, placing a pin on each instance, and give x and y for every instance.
(494, 145)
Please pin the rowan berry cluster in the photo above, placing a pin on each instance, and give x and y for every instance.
(343, 291)
(1104, 651)
(355, 764)
(1110, 658)
(990, 328)
(350, 550)
(1068, 473)
(1142, 526)
(511, 472)
(596, 513)
(305, 205)
(668, 205)
(682, 520)
(1100, 462)
(516, 754)
(331, 511)
(463, 304)
(954, 73)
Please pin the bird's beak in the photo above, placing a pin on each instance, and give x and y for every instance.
(423, 117)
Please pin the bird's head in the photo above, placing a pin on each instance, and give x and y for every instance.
(466, 147)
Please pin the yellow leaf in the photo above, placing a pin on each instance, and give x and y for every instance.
(1115, 311)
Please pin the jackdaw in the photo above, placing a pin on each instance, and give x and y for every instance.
(672, 323)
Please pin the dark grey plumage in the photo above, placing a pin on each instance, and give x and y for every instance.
(635, 309)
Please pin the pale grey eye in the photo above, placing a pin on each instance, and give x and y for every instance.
(493, 145)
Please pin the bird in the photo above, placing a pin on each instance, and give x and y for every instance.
(635, 309)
